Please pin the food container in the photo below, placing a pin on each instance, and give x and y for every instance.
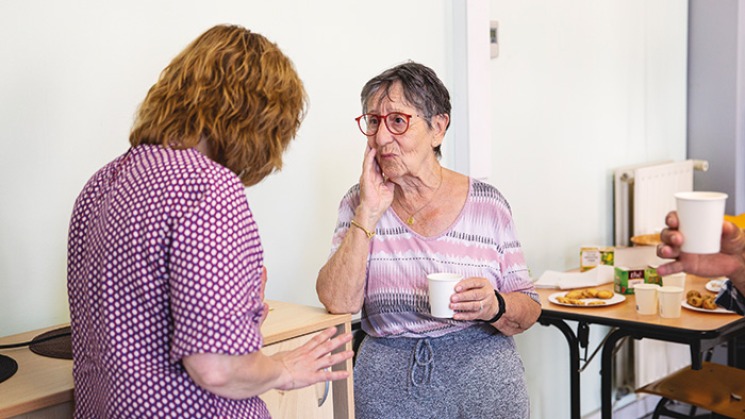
(589, 257)
(651, 276)
(625, 278)
(607, 255)
(592, 256)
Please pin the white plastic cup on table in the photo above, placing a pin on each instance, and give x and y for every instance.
(700, 216)
(441, 288)
(670, 298)
(646, 298)
(675, 280)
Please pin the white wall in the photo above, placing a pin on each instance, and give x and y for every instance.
(580, 87)
(74, 72)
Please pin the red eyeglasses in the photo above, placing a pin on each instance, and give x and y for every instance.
(396, 122)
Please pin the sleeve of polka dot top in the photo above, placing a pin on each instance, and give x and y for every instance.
(215, 267)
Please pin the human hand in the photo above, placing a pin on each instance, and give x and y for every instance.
(311, 363)
(730, 261)
(376, 192)
(474, 299)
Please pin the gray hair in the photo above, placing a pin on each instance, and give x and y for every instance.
(421, 88)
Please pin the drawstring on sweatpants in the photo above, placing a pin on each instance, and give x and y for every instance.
(423, 357)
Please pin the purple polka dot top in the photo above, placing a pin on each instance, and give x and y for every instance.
(164, 261)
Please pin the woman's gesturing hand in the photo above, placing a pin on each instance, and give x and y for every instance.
(311, 363)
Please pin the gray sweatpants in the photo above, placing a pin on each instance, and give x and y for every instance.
(475, 374)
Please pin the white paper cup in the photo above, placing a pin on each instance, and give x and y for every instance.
(646, 298)
(675, 280)
(670, 298)
(441, 288)
(701, 215)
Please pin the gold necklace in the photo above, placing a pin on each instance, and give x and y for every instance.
(411, 220)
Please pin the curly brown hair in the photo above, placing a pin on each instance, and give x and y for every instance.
(234, 88)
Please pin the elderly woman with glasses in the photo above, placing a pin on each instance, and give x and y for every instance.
(409, 217)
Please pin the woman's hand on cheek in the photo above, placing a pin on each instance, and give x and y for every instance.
(376, 192)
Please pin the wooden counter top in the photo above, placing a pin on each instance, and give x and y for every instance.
(288, 320)
(43, 381)
(39, 382)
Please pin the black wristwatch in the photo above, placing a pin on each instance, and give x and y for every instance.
(500, 312)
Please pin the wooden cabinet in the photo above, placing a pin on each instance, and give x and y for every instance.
(289, 326)
(43, 387)
(315, 402)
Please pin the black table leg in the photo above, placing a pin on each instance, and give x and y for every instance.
(736, 352)
(574, 344)
(606, 372)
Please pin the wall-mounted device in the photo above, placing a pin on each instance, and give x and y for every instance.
(494, 38)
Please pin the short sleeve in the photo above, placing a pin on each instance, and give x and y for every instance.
(215, 274)
(731, 299)
(516, 277)
(514, 274)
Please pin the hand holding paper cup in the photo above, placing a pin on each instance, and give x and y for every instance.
(441, 288)
(700, 215)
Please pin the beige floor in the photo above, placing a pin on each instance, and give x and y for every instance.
(642, 408)
(635, 407)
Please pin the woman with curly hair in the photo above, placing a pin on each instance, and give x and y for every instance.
(165, 264)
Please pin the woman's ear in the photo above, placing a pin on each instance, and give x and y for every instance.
(439, 126)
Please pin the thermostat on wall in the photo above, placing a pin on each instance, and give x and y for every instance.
(494, 38)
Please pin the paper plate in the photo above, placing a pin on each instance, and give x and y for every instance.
(617, 298)
(647, 240)
(715, 285)
(718, 310)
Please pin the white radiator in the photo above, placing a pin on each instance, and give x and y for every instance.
(643, 196)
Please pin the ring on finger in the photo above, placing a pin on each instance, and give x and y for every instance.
(481, 305)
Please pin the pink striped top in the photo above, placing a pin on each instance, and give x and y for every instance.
(482, 242)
